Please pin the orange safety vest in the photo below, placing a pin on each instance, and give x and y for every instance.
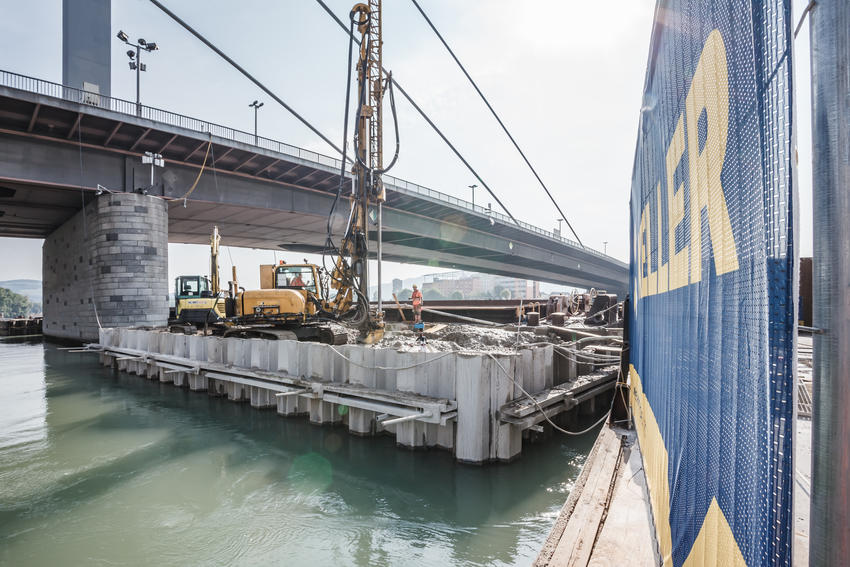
(417, 298)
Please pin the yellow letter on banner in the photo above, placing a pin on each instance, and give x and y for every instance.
(709, 91)
(678, 262)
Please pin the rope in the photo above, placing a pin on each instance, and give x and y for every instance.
(540, 408)
(496, 116)
(198, 178)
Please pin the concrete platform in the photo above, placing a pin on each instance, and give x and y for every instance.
(457, 401)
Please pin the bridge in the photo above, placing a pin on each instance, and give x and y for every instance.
(61, 146)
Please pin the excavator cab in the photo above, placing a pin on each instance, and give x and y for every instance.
(196, 303)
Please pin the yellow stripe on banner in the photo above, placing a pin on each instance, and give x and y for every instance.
(654, 463)
(715, 543)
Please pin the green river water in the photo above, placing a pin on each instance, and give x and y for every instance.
(103, 468)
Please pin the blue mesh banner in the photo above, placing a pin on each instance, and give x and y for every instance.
(713, 282)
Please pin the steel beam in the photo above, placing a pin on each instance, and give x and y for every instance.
(112, 134)
(139, 141)
(168, 143)
(34, 117)
(73, 129)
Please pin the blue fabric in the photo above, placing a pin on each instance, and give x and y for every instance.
(716, 356)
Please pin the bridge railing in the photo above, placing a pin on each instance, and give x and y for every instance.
(79, 96)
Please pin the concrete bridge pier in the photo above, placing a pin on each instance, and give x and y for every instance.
(107, 266)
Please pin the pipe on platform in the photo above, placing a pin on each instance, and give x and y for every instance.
(406, 418)
(462, 318)
(829, 528)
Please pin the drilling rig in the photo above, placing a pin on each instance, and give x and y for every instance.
(367, 191)
(283, 308)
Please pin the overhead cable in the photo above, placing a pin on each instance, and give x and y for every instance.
(425, 116)
(496, 116)
(248, 75)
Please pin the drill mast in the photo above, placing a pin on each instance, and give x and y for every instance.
(368, 190)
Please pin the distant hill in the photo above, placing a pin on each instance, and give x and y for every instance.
(31, 289)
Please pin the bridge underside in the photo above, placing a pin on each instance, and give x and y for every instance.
(54, 154)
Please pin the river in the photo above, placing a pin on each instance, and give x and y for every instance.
(103, 468)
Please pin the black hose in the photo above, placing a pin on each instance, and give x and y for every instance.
(395, 125)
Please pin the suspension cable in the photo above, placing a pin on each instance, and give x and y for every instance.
(496, 116)
(248, 75)
(425, 116)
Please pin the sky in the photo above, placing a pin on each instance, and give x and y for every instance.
(566, 80)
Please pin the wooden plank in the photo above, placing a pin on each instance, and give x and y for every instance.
(435, 328)
(579, 536)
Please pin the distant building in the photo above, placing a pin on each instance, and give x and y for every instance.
(398, 285)
(478, 286)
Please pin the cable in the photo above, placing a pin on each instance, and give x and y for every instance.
(542, 412)
(248, 75)
(198, 178)
(445, 354)
(496, 116)
(85, 222)
(425, 116)
(329, 243)
(456, 152)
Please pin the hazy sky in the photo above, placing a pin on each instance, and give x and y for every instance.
(566, 77)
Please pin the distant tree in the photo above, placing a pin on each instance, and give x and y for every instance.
(505, 294)
(404, 295)
(432, 294)
(13, 304)
(457, 295)
(497, 291)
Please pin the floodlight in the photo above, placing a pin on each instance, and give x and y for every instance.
(122, 36)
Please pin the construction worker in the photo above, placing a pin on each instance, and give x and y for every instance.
(416, 299)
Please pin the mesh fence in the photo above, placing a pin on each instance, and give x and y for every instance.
(713, 281)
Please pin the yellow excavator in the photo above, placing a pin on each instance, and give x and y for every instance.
(198, 299)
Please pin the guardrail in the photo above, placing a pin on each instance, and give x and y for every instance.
(79, 96)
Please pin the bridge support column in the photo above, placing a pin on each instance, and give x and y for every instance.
(110, 262)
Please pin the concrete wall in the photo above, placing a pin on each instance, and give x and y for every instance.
(113, 256)
(86, 40)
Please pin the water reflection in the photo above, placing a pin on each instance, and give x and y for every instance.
(128, 471)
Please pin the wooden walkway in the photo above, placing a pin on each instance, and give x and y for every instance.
(606, 520)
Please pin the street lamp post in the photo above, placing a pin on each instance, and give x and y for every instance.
(473, 195)
(136, 61)
(560, 220)
(256, 107)
(605, 244)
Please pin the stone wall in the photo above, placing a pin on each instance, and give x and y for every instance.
(113, 257)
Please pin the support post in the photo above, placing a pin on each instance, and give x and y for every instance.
(380, 231)
(829, 542)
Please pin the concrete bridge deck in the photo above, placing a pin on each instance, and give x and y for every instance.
(56, 140)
